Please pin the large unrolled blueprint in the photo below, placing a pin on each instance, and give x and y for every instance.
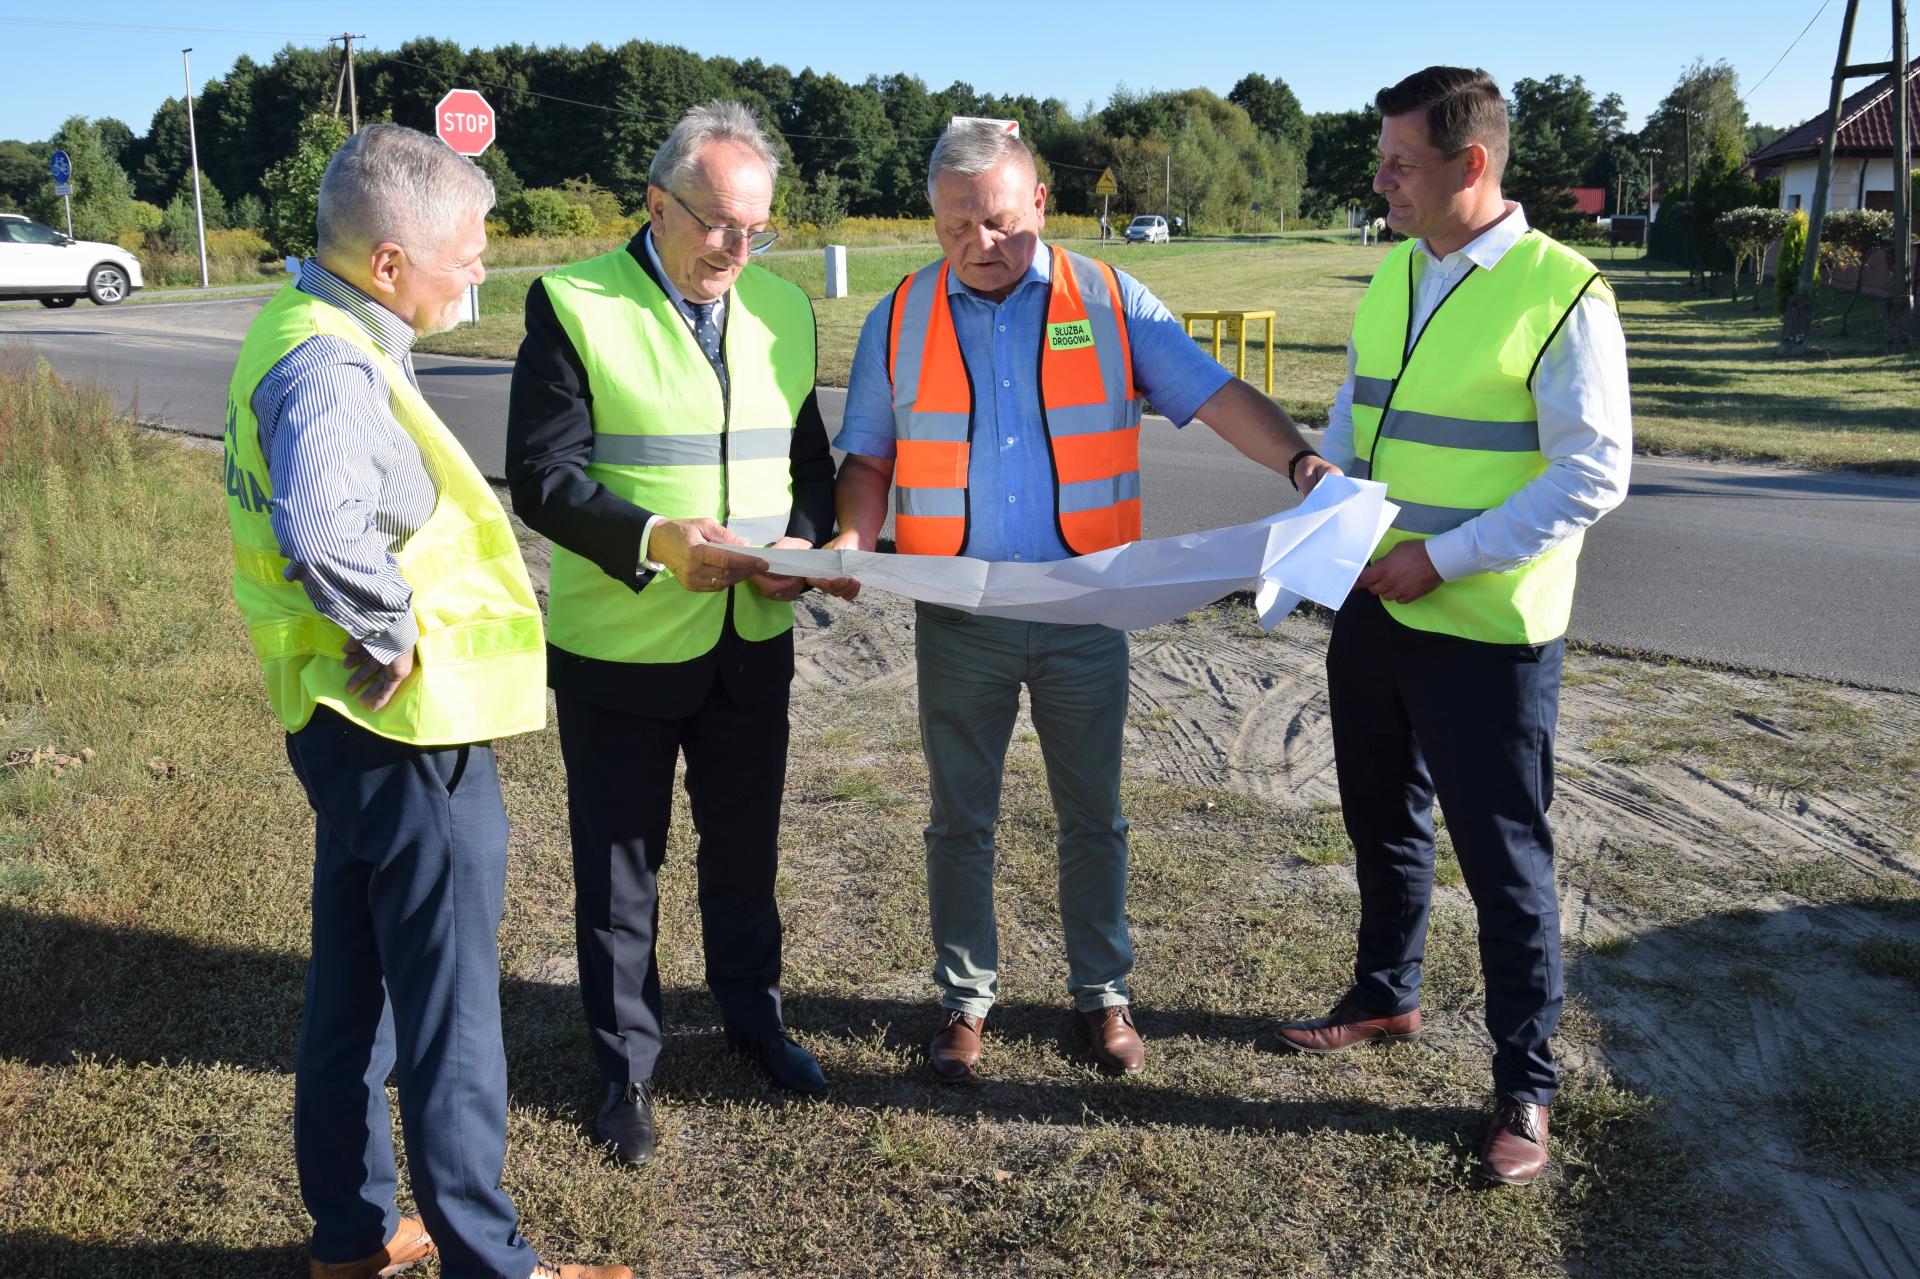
(1313, 551)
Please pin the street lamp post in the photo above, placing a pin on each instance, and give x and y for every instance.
(193, 155)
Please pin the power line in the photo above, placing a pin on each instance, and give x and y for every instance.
(148, 29)
(1790, 48)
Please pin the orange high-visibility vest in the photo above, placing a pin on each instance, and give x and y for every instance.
(1088, 405)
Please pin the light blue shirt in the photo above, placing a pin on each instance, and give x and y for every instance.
(1010, 471)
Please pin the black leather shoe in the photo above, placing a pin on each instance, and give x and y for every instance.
(626, 1120)
(787, 1064)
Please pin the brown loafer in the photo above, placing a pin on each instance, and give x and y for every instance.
(409, 1246)
(544, 1271)
(1515, 1148)
(1349, 1026)
(955, 1051)
(1116, 1044)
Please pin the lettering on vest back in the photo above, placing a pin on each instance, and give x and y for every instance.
(1069, 335)
(242, 487)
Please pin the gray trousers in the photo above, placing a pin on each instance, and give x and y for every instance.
(971, 669)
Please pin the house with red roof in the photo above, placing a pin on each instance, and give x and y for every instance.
(1590, 202)
(1864, 170)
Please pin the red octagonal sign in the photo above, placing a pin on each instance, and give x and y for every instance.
(464, 121)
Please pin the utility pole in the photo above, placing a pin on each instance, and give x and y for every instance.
(1169, 200)
(346, 40)
(1798, 326)
(1900, 305)
(193, 155)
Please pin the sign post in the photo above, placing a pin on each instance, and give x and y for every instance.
(1106, 188)
(62, 166)
(465, 121)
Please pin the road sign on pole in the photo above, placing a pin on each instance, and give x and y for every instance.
(1106, 185)
(465, 122)
(62, 166)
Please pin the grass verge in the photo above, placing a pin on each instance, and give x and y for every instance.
(152, 927)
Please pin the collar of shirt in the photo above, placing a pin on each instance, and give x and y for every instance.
(393, 335)
(674, 295)
(1040, 270)
(1486, 249)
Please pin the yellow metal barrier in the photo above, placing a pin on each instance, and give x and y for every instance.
(1236, 323)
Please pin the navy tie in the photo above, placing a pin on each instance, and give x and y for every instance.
(706, 331)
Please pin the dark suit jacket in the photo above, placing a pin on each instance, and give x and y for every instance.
(549, 443)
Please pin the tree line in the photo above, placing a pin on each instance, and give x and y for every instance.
(590, 119)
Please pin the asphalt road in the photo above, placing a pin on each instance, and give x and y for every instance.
(1807, 573)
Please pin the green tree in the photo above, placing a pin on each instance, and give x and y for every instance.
(1708, 97)
(102, 192)
(163, 154)
(248, 212)
(547, 211)
(1341, 162)
(1274, 109)
(23, 171)
(506, 183)
(177, 229)
(116, 137)
(1793, 255)
(293, 185)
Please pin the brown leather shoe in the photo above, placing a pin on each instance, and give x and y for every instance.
(409, 1246)
(1515, 1147)
(955, 1051)
(1116, 1044)
(1348, 1026)
(542, 1270)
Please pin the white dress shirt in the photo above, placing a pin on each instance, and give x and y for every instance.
(680, 303)
(1580, 397)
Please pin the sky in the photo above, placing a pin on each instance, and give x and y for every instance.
(122, 59)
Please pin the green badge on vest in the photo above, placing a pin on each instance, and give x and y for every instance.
(1069, 335)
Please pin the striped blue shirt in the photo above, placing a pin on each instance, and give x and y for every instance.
(349, 487)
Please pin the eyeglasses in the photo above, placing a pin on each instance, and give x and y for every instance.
(756, 241)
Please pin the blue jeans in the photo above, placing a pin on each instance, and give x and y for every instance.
(1417, 715)
(409, 878)
(971, 669)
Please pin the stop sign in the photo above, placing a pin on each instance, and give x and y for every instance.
(464, 121)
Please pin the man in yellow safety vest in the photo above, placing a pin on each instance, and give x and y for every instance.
(384, 595)
(1487, 389)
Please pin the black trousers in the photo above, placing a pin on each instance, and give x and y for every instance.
(1416, 715)
(620, 769)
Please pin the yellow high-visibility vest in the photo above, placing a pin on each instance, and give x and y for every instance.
(666, 438)
(1451, 427)
(480, 665)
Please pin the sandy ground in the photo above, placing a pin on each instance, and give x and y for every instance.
(1722, 1019)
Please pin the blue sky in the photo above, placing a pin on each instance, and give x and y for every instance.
(1334, 56)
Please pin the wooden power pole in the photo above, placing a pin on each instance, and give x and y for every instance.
(345, 79)
(1799, 322)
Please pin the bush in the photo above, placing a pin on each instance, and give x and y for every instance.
(1793, 252)
(546, 211)
(602, 204)
(248, 211)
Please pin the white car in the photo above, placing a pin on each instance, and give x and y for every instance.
(1148, 228)
(39, 262)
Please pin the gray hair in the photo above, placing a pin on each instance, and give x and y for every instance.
(389, 182)
(973, 147)
(716, 121)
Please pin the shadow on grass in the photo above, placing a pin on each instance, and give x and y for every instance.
(84, 990)
(45, 1256)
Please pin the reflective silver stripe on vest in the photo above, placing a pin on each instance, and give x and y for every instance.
(947, 503)
(949, 428)
(1093, 419)
(1460, 433)
(760, 529)
(691, 450)
(1417, 517)
(1360, 470)
(1099, 303)
(1094, 495)
(918, 316)
(1371, 392)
